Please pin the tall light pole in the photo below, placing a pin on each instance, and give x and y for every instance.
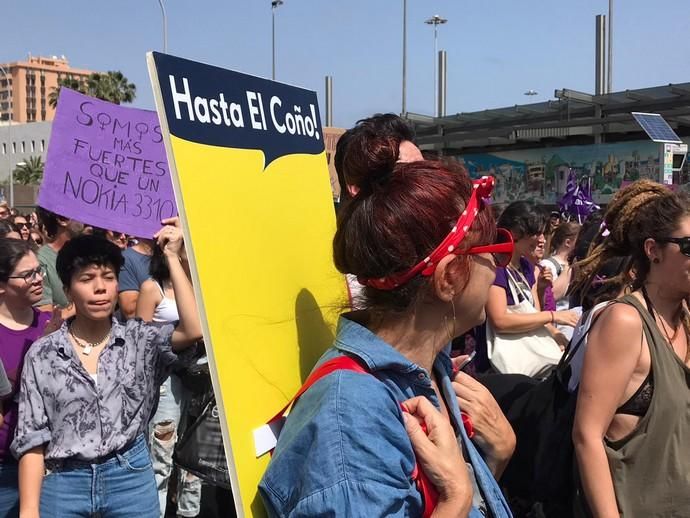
(404, 61)
(274, 5)
(435, 20)
(609, 70)
(165, 27)
(9, 136)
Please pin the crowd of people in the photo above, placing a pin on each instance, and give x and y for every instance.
(461, 309)
(66, 322)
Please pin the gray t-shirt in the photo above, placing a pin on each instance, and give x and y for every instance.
(53, 292)
(134, 272)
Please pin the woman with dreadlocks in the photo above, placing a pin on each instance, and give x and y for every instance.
(632, 422)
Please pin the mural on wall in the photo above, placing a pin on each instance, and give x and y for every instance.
(542, 174)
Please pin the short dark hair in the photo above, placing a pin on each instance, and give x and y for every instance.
(83, 251)
(11, 252)
(523, 218)
(6, 227)
(368, 136)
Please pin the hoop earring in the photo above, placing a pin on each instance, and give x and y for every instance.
(449, 331)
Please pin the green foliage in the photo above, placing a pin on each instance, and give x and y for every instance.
(30, 172)
(112, 86)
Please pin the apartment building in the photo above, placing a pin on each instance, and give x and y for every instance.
(26, 85)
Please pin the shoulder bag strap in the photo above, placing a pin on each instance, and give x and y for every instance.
(339, 363)
(515, 290)
(572, 349)
(422, 481)
(556, 264)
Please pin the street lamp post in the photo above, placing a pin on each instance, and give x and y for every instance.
(404, 61)
(609, 69)
(165, 27)
(274, 5)
(435, 20)
(9, 136)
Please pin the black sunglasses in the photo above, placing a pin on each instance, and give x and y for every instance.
(682, 242)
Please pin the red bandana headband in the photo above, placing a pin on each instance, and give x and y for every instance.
(482, 189)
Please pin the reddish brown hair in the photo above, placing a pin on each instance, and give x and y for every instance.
(402, 212)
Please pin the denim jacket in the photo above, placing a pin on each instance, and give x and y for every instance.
(344, 450)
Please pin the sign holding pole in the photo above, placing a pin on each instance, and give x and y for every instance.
(106, 166)
(250, 175)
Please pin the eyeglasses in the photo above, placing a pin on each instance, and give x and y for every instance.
(22, 224)
(30, 275)
(682, 242)
(501, 249)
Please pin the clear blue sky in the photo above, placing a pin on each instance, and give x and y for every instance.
(497, 49)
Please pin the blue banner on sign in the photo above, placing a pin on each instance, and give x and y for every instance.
(218, 107)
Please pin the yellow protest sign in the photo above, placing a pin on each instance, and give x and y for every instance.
(252, 186)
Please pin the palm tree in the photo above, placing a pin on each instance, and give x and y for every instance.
(29, 172)
(69, 82)
(112, 86)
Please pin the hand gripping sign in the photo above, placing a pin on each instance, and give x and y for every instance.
(249, 168)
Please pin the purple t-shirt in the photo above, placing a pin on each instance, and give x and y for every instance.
(502, 278)
(15, 344)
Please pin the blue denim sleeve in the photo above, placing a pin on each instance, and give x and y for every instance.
(343, 451)
(349, 498)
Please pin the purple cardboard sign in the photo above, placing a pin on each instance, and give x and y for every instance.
(106, 166)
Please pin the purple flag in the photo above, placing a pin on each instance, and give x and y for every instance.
(567, 201)
(107, 167)
(577, 200)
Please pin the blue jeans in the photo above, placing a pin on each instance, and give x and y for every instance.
(9, 493)
(120, 487)
(165, 429)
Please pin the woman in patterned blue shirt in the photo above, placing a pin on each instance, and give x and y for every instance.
(88, 390)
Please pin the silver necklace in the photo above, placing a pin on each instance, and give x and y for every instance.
(86, 346)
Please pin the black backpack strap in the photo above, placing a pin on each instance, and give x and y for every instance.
(556, 264)
(572, 349)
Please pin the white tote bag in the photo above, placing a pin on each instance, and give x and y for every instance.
(533, 353)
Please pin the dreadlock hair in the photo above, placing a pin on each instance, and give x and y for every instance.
(640, 211)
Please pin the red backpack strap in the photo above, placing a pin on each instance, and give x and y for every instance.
(339, 363)
(424, 485)
(421, 480)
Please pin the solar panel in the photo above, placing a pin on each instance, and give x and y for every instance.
(656, 127)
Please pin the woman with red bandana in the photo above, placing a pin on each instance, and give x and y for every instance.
(420, 239)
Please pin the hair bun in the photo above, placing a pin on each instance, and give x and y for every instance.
(370, 161)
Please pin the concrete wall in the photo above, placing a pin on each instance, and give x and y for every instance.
(17, 144)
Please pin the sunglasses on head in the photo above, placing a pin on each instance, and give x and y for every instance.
(501, 249)
(682, 242)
